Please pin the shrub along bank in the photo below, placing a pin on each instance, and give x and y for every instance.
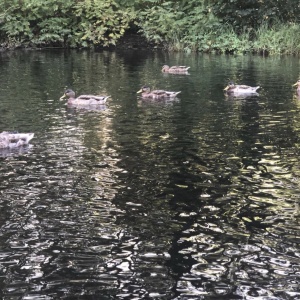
(262, 26)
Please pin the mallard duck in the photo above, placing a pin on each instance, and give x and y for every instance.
(233, 88)
(174, 69)
(157, 94)
(297, 84)
(83, 99)
(13, 140)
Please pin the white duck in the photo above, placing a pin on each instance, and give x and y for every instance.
(14, 140)
(236, 89)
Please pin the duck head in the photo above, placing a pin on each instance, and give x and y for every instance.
(297, 83)
(144, 89)
(70, 94)
(230, 85)
(165, 68)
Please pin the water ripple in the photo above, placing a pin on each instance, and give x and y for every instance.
(189, 199)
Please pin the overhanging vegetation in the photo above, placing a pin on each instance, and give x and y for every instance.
(263, 26)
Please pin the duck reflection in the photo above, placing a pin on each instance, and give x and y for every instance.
(74, 108)
(244, 96)
(7, 152)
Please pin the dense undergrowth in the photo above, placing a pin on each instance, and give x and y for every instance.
(236, 26)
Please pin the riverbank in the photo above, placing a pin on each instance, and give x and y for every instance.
(128, 41)
(135, 41)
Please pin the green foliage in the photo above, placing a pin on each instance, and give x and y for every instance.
(280, 38)
(186, 25)
(33, 22)
(235, 26)
(180, 24)
(101, 22)
(63, 23)
(254, 13)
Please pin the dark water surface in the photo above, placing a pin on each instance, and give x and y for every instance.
(196, 198)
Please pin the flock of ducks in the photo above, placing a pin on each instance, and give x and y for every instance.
(13, 140)
(146, 93)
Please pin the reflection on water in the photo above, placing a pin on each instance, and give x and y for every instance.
(194, 198)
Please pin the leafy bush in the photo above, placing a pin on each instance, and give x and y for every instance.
(185, 25)
(253, 13)
(61, 22)
(101, 22)
(33, 22)
(182, 25)
(235, 26)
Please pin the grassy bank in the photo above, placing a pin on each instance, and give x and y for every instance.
(276, 39)
(190, 26)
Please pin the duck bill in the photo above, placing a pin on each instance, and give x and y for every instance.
(62, 97)
(227, 87)
(140, 91)
(296, 84)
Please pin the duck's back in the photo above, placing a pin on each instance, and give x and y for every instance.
(91, 99)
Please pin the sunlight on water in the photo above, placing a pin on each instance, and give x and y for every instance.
(191, 198)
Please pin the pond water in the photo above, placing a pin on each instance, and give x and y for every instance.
(194, 198)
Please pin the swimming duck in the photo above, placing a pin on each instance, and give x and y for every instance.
(14, 140)
(297, 84)
(157, 94)
(233, 88)
(175, 69)
(83, 99)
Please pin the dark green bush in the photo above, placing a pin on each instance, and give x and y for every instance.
(188, 25)
(63, 23)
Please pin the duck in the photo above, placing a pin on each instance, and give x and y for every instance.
(83, 99)
(175, 69)
(297, 84)
(13, 140)
(233, 88)
(157, 94)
